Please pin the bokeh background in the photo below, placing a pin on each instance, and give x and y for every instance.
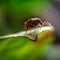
(13, 13)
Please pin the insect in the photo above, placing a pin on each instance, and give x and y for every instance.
(33, 23)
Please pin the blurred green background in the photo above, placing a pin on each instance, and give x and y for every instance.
(13, 13)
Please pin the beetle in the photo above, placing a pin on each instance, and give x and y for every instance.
(33, 23)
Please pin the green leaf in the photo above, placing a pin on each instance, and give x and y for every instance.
(24, 49)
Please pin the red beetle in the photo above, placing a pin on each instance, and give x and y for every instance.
(33, 23)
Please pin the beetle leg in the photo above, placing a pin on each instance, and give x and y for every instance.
(26, 32)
